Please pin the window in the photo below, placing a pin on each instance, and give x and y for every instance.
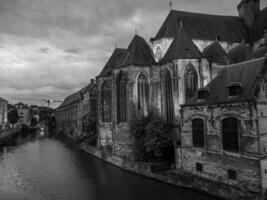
(142, 92)
(199, 167)
(168, 98)
(190, 81)
(106, 101)
(230, 134)
(198, 132)
(235, 88)
(121, 98)
(158, 54)
(231, 174)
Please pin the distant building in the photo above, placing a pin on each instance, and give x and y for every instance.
(23, 113)
(71, 115)
(3, 113)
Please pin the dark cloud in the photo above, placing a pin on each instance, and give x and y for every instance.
(56, 46)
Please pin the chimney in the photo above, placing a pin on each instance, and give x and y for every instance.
(248, 10)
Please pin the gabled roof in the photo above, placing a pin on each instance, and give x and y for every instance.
(258, 25)
(215, 53)
(182, 47)
(113, 61)
(204, 27)
(245, 73)
(138, 53)
(240, 53)
(75, 97)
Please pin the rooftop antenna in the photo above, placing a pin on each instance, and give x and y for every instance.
(170, 5)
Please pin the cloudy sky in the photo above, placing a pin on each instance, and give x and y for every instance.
(51, 48)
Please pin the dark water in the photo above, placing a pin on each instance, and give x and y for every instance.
(49, 169)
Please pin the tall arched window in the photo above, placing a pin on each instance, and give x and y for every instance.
(198, 132)
(158, 53)
(168, 98)
(142, 94)
(121, 98)
(190, 81)
(106, 101)
(230, 134)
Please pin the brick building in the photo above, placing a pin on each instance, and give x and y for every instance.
(189, 50)
(75, 109)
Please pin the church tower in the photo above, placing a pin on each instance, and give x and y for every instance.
(248, 10)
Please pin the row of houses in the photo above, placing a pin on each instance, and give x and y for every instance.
(206, 75)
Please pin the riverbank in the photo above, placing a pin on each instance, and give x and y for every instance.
(9, 134)
(175, 177)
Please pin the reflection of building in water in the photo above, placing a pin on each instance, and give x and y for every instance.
(3, 113)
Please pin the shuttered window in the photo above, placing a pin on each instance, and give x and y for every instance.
(198, 133)
(230, 134)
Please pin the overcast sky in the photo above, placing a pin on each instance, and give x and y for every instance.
(51, 48)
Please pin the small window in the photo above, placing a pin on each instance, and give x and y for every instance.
(235, 88)
(231, 174)
(198, 132)
(199, 167)
(203, 93)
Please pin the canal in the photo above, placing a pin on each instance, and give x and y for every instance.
(34, 168)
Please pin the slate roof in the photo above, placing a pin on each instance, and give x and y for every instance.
(182, 47)
(75, 97)
(258, 25)
(240, 53)
(113, 61)
(260, 52)
(138, 53)
(204, 26)
(215, 53)
(245, 73)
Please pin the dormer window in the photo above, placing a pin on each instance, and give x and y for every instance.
(235, 88)
(203, 93)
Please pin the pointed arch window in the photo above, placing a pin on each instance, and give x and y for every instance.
(142, 94)
(190, 81)
(158, 53)
(121, 98)
(230, 134)
(168, 96)
(106, 101)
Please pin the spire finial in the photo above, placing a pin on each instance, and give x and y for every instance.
(170, 5)
(135, 31)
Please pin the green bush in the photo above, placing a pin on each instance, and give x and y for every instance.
(152, 137)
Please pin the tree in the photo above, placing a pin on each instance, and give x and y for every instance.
(13, 116)
(152, 139)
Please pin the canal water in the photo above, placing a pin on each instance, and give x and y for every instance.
(36, 168)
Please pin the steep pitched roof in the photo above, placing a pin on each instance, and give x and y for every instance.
(240, 53)
(113, 61)
(215, 53)
(245, 73)
(204, 26)
(182, 47)
(138, 53)
(258, 25)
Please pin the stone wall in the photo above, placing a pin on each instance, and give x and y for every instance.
(216, 162)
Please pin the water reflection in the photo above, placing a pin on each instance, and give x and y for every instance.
(45, 168)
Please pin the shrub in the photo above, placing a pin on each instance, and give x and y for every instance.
(152, 139)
